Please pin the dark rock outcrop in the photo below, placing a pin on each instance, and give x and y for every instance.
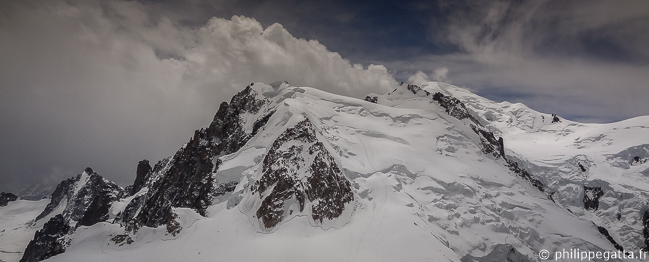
(513, 166)
(143, 170)
(490, 145)
(501, 147)
(295, 153)
(645, 229)
(637, 160)
(415, 89)
(186, 180)
(555, 118)
(122, 239)
(49, 241)
(454, 107)
(372, 99)
(583, 169)
(591, 197)
(608, 236)
(5, 198)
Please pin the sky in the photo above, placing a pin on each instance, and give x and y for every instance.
(106, 83)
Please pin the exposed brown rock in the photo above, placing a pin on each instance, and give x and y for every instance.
(284, 167)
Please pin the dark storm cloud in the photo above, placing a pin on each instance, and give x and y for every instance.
(107, 83)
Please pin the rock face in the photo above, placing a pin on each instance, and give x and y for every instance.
(86, 197)
(106, 193)
(299, 168)
(591, 197)
(85, 200)
(5, 198)
(143, 171)
(186, 179)
(49, 241)
(125, 218)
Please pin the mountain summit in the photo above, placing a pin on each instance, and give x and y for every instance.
(284, 173)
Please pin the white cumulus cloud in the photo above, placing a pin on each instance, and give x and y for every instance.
(418, 78)
(107, 83)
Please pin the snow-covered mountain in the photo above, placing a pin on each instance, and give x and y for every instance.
(288, 173)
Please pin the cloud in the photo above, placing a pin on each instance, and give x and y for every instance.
(418, 78)
(107, 83)
(240, 46)
(439, 74)
(581, 59)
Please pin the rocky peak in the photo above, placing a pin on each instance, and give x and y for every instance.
(143, 170)
(85, 197)
(226, 131)
(299, 167)
(186, 180)
(84, 200)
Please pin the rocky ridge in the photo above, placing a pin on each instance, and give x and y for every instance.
(83, 200)
(187, 179)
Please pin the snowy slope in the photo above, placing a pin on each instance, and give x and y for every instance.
(569, 156)
(322, 177)
(15, 227)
